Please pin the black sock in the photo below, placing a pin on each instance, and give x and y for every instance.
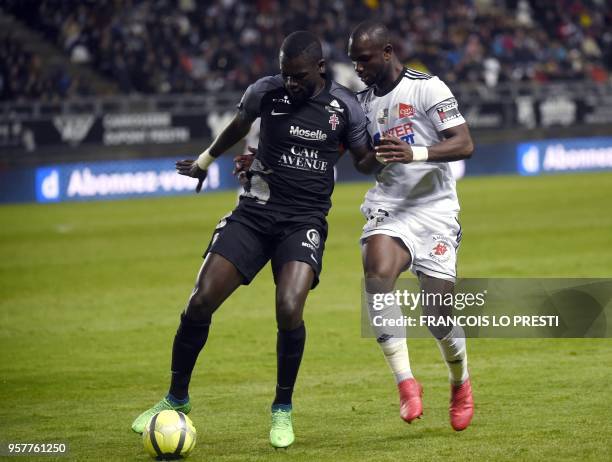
(189, 340)
(289, 351)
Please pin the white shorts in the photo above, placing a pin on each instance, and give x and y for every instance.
(432, 238)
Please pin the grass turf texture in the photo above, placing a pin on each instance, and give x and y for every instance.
(90, 296)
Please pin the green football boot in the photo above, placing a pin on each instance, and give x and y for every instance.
(281, 433)
(139, 424)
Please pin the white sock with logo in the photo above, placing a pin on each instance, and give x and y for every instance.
(454, 351)
(392, 340)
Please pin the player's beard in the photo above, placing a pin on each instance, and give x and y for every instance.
(298, 98)
(304, 93)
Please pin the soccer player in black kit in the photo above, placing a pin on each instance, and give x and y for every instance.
(306, 122)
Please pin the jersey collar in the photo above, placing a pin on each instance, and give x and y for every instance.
(395, 84)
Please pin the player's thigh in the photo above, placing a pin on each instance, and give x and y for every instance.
(436, 245)
(246, 248)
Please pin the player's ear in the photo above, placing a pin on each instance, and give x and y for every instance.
(321, 66)
(387, 51)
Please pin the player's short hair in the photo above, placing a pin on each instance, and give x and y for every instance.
(302, 44)
(372, 30)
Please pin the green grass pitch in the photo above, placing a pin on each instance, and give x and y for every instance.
(90, 296)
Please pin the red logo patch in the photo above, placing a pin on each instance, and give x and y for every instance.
(406, 110)
(440, 249)
(334, 121)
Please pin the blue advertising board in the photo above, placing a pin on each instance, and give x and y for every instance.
(123, 179)
(157, 177)
(564, 155)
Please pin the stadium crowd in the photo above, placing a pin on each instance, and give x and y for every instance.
(181, 46)
(23, 75)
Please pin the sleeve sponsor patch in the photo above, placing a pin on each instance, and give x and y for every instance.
(448, 110)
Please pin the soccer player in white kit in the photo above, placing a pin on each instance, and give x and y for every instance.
(412, 211)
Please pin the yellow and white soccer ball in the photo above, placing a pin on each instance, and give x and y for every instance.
(169, 435)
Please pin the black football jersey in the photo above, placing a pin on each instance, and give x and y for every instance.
(300, 144)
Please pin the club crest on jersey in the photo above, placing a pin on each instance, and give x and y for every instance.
(405, 110)
(441, 250)
(313, 237)
(334, 121)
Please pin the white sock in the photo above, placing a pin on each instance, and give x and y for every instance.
(392, 340)
(396, 355)
(454, 351)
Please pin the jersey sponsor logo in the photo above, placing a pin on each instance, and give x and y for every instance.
(405, 110)
(274, 113)
(298, 132)
(441, 250)
(302, 158)
(403, 131)
(305, 152)
(448, 110)
(334, 121)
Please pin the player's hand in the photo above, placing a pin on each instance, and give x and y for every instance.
(392, 149)
(242, 164)
(190, 168)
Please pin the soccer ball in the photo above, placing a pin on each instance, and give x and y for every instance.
(169, 435)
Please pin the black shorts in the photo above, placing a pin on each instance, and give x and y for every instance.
(249, 237)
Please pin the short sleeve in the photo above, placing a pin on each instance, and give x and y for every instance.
(357, 133)
(251, 100)
(441, 106)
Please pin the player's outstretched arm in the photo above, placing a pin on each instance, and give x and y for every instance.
(234, 132)
(457, 144)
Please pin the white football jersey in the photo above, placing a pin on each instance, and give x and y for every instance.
(416, 110)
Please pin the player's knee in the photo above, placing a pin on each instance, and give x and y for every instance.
(379, 278)
(200, 306)
(439, 332)
(443, 326)
(288, 312)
